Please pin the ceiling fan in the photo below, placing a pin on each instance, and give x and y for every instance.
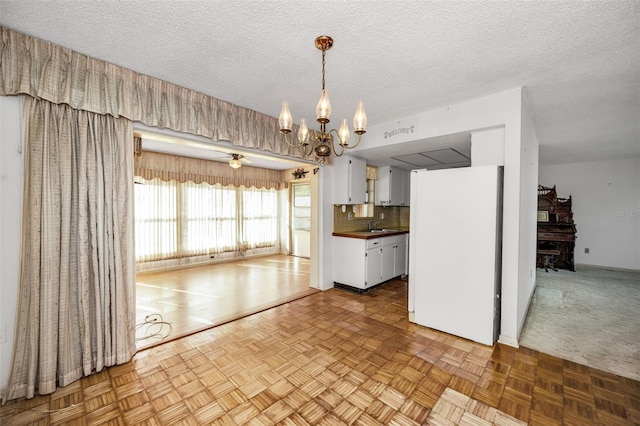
(237, 160)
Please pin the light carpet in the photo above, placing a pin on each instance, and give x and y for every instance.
(589, 316)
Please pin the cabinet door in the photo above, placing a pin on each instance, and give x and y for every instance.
(406, 188)
(400, 259)
(358, 180)
(382, 187)
(374, 268)
(387, 262)
(349, 180)
(349, 260)
(391, 187)
(396, 186)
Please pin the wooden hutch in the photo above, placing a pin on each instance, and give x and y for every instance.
(556, 230)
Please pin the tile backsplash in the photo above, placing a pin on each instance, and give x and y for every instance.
(393, 217)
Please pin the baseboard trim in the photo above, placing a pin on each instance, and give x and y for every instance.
(509, 341)
(611, 268)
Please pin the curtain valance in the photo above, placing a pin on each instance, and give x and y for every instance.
(43, 70)
(183, 169)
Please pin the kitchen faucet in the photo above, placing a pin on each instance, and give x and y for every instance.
(373, 225)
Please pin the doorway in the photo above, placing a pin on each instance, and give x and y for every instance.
(301, 219)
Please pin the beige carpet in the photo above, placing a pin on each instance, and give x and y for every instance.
(589, 316)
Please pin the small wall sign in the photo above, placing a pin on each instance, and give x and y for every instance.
(398, 131)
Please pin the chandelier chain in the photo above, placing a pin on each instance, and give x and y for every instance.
(323, 52)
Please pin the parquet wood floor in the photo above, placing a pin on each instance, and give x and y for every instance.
(336, 358)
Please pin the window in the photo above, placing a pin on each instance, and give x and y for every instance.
(209, 218)
(175, 219)
(156, 220)
(259, 217)
(301, 207)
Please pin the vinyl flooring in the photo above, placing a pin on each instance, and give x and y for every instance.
(174, 303)
(336, 358)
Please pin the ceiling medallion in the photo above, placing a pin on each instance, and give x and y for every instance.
(321, 142)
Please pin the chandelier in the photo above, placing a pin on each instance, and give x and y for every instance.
(321, 142)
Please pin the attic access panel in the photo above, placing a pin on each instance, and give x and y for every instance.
(446, 156)
(439, 158)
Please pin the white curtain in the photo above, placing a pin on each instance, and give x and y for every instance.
(181, 219)
(156, 218)
(209, 218)
(76, 307)
(259, 211)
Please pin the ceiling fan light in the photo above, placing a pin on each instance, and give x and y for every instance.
(235, 163)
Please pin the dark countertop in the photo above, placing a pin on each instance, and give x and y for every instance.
(366, 235)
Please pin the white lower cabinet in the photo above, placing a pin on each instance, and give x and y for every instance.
(400, 258)
(386, 264)
(373, 259)
(364, 263)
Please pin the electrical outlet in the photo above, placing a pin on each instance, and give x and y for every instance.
(350, 216)
(381, 215)
(586, 250)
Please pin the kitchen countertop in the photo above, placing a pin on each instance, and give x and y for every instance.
(366, 235)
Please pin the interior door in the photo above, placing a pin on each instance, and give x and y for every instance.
(301, 220)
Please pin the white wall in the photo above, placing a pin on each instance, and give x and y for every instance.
(10, 207)
(487, 147)
(528, 208)
(324, 255)
(606, 209)
(520, 165)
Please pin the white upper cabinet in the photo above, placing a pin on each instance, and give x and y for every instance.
(392, 186)
(349, 180)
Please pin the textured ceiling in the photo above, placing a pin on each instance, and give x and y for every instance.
(579, 61)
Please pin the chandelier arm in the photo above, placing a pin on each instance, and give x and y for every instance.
(306, 154)
(337, 154)
(287, 138)
(355, 145)
(345, 146)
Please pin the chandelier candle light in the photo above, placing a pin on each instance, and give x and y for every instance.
(321, 142)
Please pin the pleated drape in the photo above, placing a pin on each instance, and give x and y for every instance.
(41, 69)
(76, 306)
(167, 167)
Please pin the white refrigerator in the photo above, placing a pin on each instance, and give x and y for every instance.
(455, 251)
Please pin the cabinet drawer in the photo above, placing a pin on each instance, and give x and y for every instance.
(373, 243)
(394, 239)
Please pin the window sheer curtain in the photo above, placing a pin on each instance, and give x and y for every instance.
(156, 218)
(182, 219)
(209, 222)
(259, 211)
(76, 307)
